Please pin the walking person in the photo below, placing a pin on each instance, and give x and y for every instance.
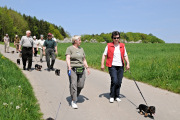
(27, 50)
(53, 38)
(40, 44)
(35, 46)
(6, 43)
(76, 63)
(16, 43)
(115, 52)
(50, 49)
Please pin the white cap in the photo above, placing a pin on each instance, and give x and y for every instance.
(16, 35)
(6, 34)
(34, 37)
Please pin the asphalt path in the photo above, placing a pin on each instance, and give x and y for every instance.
(52, 93)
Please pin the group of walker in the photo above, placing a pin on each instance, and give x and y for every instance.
(115, 54)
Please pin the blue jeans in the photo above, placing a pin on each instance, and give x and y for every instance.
(116, 74)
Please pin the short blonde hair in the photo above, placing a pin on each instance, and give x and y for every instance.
(74, 38)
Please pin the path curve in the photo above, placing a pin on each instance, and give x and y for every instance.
(93, 102)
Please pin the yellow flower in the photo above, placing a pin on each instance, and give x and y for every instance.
(3, 57)
(128, 53)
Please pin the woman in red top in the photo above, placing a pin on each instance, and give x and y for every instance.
(115, 52)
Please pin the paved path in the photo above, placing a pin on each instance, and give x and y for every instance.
(93, 102)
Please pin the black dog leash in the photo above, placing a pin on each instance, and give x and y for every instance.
(138, 88)
(60, 101)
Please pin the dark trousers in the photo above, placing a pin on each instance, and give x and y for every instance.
(27, 55)
(35, 51)
(116, 73)
(50, 53)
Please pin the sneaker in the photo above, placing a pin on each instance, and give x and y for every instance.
(111, 100)
(52, 69)
(118, 99)
(48, 69)
(24, 68)
(74, 105)
(29, 69)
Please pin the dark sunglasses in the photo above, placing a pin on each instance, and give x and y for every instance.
(116, 37)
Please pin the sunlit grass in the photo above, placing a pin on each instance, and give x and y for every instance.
(155, 64)
(17, 100)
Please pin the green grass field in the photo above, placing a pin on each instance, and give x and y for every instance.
(155, 64)
(17, 100)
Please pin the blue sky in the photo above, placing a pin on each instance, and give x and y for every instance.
(159, 17)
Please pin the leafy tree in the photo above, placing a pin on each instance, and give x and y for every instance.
(6, 23)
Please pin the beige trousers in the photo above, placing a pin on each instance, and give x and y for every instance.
(6, 47)
(76, 84)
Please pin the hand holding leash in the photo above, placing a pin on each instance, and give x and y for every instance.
(69, 72)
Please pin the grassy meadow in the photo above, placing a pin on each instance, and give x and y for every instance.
(154, 64)
(17, 100)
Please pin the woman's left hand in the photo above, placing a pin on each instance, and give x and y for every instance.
(127, 67)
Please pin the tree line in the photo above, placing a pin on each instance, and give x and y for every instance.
(129, 36)
(14, 23)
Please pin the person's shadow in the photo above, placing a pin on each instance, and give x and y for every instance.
(81, 99)
(107, 96)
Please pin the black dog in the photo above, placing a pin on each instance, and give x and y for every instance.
(38, 67)
(146, 110)
(12, 52)
(18, 61)
(49, 118)
(57, 72)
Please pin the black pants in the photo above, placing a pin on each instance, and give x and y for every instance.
(35, 51)
(116, 73)
(27, 55)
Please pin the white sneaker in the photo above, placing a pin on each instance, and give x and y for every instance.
(111, 100)
(118, 99)
(74, 105)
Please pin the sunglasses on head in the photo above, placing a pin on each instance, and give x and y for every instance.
(116, 37)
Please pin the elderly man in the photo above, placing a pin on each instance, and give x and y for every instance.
(6, 43)
(35, 46)
(27, 50)
(40, 46)
(16, 43)
(50, 46)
